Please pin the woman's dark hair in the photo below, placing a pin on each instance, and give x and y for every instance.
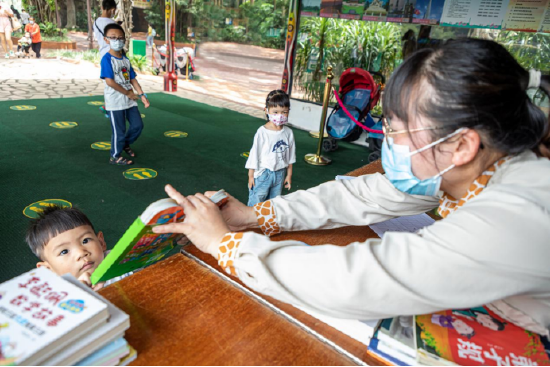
(475, 84)
(277, 98)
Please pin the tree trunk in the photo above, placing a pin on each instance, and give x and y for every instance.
(57, 17)
(90, 31)
(71, 14)
(125, 14)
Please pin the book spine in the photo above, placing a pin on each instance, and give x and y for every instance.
(129, 236)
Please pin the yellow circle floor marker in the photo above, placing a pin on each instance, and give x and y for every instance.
(245, 154)
(139, 174)
(142, 115)
(176, 134)
(96, 103)
(64, 124)
(33, 210)
(102, 145)
(23, 108)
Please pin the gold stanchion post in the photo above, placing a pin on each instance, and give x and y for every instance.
(315, 134)
(317, 159)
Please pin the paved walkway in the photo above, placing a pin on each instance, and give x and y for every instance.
(24, 79)
(238, 73)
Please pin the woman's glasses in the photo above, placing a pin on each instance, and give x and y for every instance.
(387, 130)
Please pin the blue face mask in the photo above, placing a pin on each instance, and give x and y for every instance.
(397, 164)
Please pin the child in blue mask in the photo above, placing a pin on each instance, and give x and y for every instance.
(120, 99)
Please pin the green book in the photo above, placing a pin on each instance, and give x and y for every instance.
(139, 246)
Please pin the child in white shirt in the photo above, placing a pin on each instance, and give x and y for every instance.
(273, 152)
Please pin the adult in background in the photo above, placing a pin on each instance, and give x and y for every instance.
(24, 19)
(36, 37)
(108, 12)
(151, 33)
(15, 12)
(5, 30)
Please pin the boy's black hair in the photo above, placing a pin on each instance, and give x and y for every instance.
(51, 222)
(110, 26)
(277, 98)
(108, 4)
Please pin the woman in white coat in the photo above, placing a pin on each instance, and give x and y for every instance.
(461, 133)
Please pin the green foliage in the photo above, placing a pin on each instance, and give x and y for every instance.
(155, 17)
(531, 50)
(263, 16)
(139, 62)
(91, 55)
(49, 29)
(56, 38)
(342, 44)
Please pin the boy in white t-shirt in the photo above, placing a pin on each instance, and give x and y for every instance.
(108, 12)
(120, 99)
(273, 152)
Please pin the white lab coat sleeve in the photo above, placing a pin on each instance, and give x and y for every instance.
(357, 202)
(473, 257)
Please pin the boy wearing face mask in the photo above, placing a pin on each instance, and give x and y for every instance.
(108, 12)
(120, 99)
(273, 152)
(34, 30)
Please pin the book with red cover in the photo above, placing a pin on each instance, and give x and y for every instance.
(477, 337)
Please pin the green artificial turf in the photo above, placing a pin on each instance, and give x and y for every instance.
(41, 162)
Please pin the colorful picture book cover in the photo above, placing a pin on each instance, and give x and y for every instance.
(331, 8)
(477, 337)
(524, 16)
(39, 313)
(428, 11)
(352, 9)
(401, 11)
(376, 10)
(140, 246)
(310, 8)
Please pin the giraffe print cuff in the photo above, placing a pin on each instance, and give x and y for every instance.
(265, 214)
(228, 250)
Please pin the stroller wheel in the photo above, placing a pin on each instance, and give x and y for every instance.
(334, 144)
(327, 145)
(374, 156)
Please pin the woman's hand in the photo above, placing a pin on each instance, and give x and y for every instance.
(238, 216)
(203, 224)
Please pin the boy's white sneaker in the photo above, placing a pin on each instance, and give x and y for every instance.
(11, 53)
(7, 56)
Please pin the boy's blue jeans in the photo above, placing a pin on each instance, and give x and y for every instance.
(121, 138)
(267, 186)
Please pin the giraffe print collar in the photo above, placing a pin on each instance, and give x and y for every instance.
(448, 204)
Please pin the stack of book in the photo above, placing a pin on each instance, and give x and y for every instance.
(50, 320)
(475, 336)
